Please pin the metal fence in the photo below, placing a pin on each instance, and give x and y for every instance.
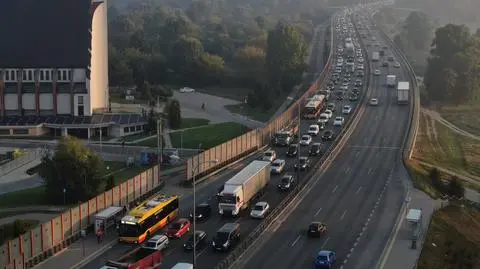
(243, 145)
(29, 156)
(51, 237)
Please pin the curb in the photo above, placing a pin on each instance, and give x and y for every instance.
(95, 254)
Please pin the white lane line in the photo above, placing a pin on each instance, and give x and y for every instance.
(343, 215)
(296, 240)
(325, 243)
(335, 189)
(358, 190)
(370, 171)
(357, 154)
(201, 252)
(347, 171)
(318, 211)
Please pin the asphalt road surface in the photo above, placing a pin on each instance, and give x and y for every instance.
(345, 194)
(207, 258)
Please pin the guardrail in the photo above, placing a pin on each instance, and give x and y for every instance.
(245, 144)
(270, 218)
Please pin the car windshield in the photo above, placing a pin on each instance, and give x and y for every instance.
(276, 164)
(258, 208)
(305, 138)
(222, 236)
(322, 258)
(313, 128)
(268, 154)
(285, 180)
(175, 226)
(346, 107)
(150, 244)
(338, 119)
(323, 117)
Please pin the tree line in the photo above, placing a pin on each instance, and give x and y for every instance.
(157, 46)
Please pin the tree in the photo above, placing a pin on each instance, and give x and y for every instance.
(435, 179)
(455, 187)
(110, 182)
(418, 30)
(72, 168)
(173, 111)
(251, 61)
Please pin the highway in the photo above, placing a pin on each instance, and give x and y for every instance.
(344, 195)
(207, 258)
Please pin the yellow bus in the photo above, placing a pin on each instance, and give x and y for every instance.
(147, 218)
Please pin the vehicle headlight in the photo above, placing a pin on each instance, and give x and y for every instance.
(213, 243)
(225, 244)
(220, 211)
(200, 215)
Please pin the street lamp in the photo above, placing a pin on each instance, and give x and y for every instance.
(194, 210)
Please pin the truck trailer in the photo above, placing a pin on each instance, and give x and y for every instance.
(286, 136)
(139, 258)
(403, 92)
(375, 56)
(391, 80)
(240, 190)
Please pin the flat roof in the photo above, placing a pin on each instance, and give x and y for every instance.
(109, 211)
(414, 215)
(72, 121)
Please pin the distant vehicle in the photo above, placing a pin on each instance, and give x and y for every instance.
(186, 90)
(329, 113)
(391, 80)
(377, 72)
(316, 229)
(358, 83)
(303, 164)
(391, 59)
(331, 106)
(285, 136)
(314, 107)
(200, 241)
(396, 65)
(374, 102)
(375, 56)
(240, 190)
(158, 242)
(178, 228)
(141, 258)
(286, 182)
(360, 60)
(385, 64)
(260, 210)
(338, 121)
(403, 91)
(305, 140)
(321, 125)
(327, 135)
(346, 109)
(313, 130)
(292, 150)
(202, 212)
(183, 265)
(325, 259)
(269, 155)
(277, 166)
(315, 149)
(227, 236)
(382, 53)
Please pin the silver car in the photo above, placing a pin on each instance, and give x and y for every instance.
(158, 242)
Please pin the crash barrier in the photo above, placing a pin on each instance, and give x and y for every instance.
(217, 157)
(284, 204)
(51, 237)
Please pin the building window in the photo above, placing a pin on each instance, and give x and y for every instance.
(20, 131)
(125, 129)
(80, 100)
(47, 75)
(51, 74)
(132, 129)
(7, 75)
(24, 75)
(12, 74)
(64, 75)
(30, 75)
(69, 74)
(41, 75)
(59, 75)
(139, 128)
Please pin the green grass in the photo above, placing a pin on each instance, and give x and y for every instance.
(131, 138)
(420, 179)
(465, 117)
(193, 122)
(258, 114)
(209, 136)
(123, 173)
(27, 197)
(453, 239)
(238, 94)
(7, 231)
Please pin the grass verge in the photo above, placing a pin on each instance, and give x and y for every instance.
(464, 117)
(453, 239)
(256, 113)
(193, 122)
(26, 197)
(238, 94)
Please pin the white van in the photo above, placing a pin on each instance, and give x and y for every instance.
(183, 265)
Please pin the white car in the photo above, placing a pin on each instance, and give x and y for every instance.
(323, 118)
(346, 109)
(360, 60)
(269, 155)
(377, 72)
(277, 166)
(396, 65)
(338, 121)
(329, 113)
(260, 210)
(186, 90)
(374, 102)
(158, 242)
(305, 140)
(313, 130)
(360, 67)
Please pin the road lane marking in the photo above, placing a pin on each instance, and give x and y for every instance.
(335, 189)
(343, 215)
(201, 252)
(296, 240)
(358, 190)
(325, 243)
(318, 211)
(347, 171)
(370, 171)
(357, 154)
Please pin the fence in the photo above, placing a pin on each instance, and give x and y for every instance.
(20, 161)
(243, 145)
(49, 238)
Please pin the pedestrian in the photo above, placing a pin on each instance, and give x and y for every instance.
(100, 236)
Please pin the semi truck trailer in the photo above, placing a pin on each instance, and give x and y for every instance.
(139, 258)
(391, 80)
(243, 187)
(403, 92)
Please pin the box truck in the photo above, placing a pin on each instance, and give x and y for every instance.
(375, 56)
(240, 190)
(403, 91)
(391, 80)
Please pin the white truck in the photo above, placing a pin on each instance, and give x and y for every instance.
(375, 56)
(403, 92)
(240, 190)
(349, 49)
(391, 80)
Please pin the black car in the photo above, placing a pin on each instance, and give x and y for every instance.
(356, 90)
(327, 135)
(219, 191)
(382, 53)
(339, 95)
(292, 150)
(227, 236)
(200, 241)
(353, 97)
(385, 64)
(303, 164)
(315, 149)
(286, 183)
(202, 212)
(331, 107)
(358, 83)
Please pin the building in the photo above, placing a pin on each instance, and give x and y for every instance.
(54, 69)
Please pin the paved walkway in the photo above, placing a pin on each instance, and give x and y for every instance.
(436, 116)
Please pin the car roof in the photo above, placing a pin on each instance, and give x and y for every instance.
(324, 252)
(287, 176)
(303, 158)
(262, 203)
(278, 161)
(203, 205)
(157, 238)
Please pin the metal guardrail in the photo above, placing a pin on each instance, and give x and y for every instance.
(270, 218)
(29, 156)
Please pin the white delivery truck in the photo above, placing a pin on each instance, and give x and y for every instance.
(403, 92)
(239, 191)
(375, 56)
(391, 80)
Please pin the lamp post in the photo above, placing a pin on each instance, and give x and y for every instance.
(194, 211)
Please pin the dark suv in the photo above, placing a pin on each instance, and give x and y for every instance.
(292, 150)
(202, 212)
(226, 237)
(303, 164)
(327, 135)
(286, 183)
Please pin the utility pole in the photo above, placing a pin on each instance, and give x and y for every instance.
(159, 143)
(101, 148)
(299, 136)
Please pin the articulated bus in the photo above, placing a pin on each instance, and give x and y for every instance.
(147, 218)
(314, 107)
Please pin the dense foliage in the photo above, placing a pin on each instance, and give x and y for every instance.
(210, 42)
(453, 73)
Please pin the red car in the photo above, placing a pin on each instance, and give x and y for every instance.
(178, 228)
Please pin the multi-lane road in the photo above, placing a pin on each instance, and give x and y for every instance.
(345, 194)
(207, 258)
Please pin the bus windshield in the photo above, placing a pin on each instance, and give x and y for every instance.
(129, 230)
